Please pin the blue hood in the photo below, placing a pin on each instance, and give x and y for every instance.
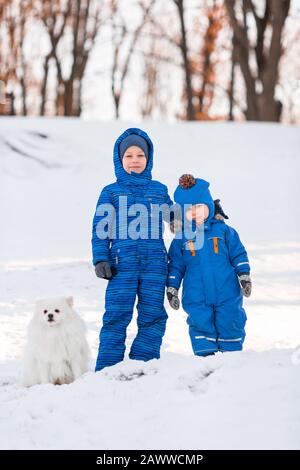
(138, 179)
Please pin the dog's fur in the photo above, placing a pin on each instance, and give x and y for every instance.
(57, 351)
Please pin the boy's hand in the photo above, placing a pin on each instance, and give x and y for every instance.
(103, 270)
(219, 213)
(246, 284)
(173, 299)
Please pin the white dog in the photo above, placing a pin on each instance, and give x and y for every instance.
(57, 351)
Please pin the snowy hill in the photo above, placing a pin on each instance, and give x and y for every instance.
(51, 171)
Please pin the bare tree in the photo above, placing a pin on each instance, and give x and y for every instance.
(151, 82)
(80, 20)
(4, 57)
(160, 54)
(122, 57)
(261, 80)
(232, 82)
(13, 67)
(190, 111)
(205, 62)
(54, 15)
(198, 47)
(155, 91)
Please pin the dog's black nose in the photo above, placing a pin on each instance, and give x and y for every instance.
(50, 316)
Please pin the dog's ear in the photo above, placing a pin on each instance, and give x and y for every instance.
(70, 301)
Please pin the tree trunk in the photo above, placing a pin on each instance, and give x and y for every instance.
(190, 112)
(68, 97)
(44, 86)
(263, 105)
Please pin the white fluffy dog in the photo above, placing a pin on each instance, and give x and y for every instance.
(57, 351)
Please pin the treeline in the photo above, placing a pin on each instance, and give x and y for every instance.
(227, 54)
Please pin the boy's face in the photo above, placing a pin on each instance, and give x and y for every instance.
(134, 160)
(198, 212)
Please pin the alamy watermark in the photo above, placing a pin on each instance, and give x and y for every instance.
(139, 221)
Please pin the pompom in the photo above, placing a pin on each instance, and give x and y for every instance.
(187, 181)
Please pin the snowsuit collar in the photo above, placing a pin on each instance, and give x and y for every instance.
(133, 179)
(207, 225)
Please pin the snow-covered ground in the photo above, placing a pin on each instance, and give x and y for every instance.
(51, 171)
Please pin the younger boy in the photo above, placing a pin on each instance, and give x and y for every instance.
(212, 295)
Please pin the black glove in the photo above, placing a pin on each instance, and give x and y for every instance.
(219, 210)
(246, 284)
(172, 295)
(103, 270)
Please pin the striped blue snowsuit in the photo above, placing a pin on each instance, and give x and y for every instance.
(139, 265)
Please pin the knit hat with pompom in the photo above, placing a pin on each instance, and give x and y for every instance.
(194, 191)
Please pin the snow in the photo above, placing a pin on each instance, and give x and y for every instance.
(48, 194)
(178, 402)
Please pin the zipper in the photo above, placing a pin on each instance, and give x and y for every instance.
(216, 243)
(116, 257)
(191, 246)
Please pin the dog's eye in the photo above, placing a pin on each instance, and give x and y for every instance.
(45, 311)
(56, 310)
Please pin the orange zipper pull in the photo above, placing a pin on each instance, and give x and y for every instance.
(216, 248)
(192, 248)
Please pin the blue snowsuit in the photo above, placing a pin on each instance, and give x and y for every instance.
(139, 265)
(212, 295)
